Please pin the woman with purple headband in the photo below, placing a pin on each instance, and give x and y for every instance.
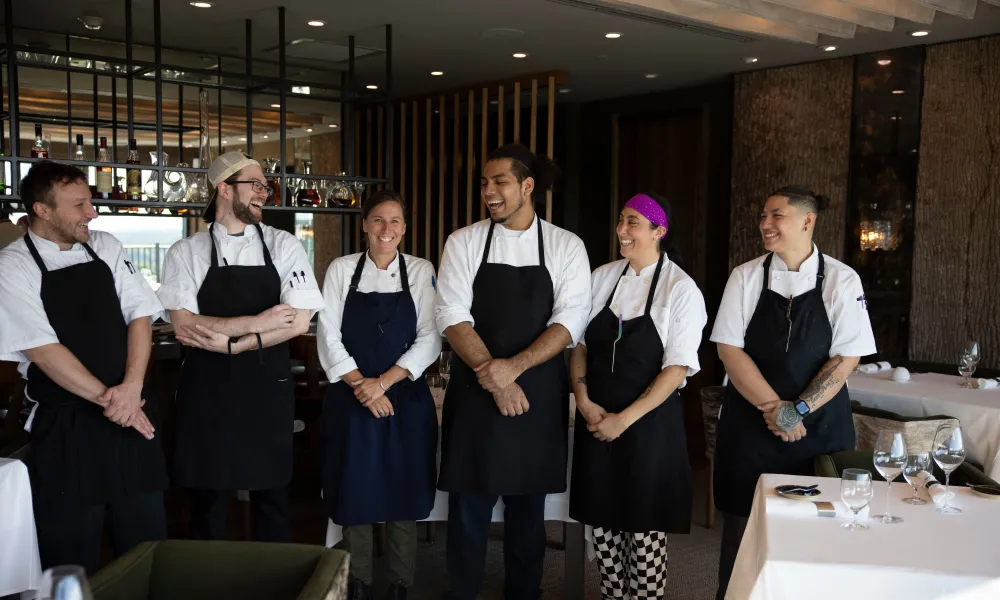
(631, 476)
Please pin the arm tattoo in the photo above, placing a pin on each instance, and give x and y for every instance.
(645, 393)
(787, 417)
(821, 383)
(582, 380)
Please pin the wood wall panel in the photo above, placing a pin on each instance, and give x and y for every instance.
(958, 205)
(326, 228)
(791, 126)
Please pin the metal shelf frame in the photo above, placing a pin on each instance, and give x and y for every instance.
(128, 69)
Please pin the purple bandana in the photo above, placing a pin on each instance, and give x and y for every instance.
(649, 208)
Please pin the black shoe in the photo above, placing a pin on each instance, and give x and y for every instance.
(358, 590)
(397, 591)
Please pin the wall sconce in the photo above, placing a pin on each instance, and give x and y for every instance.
(878, 235)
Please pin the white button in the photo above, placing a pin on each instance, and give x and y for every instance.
(614, 306)
(649, 279)
(638, 307)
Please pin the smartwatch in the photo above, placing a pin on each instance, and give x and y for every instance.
(802, 407)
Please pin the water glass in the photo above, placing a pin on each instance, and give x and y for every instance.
(67, 582)
(915, 464)
(967, 362)
(948, 452)
(856, 491)
(444, 366)
(890, 457)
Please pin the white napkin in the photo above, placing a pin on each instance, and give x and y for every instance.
(900, 375)
(934, 489)
(786, 507)
(884, 366)
(986, 384)
(868, 369)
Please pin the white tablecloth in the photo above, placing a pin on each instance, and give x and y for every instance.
(928, 394)
(20, 568)
(928, 556)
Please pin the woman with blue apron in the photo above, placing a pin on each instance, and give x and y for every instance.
(380, 425)
(791, 328)
(631, 474)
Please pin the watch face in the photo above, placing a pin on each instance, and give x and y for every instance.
(802, 408)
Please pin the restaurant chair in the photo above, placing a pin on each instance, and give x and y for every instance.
(209, 570)
(13, 437)
(711, 404)
(833, 465)
(917, 431)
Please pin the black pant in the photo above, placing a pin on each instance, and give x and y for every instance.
(269, 509)
(73, 537)
(469, 517)
(732, 534)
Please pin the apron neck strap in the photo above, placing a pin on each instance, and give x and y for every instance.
(767, 271)
(215, 253)
(356, 278)
(38, 257)
(404, 279)
(820, 271)
(489, 242)
(267, 254)
(656, 279)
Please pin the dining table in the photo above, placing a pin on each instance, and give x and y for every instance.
(20, 566)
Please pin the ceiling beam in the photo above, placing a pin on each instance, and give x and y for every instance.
(788, 16)
(960, 8)
(725, 19)
(844, 12)
(901, 9)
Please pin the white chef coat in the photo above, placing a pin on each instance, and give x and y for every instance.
(843, 298)
(187, 263)
(23, 322)
(333, 356)
(678, 309)
(565, 259)
(8, 233)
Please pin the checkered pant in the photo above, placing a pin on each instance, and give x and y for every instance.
(632, 565)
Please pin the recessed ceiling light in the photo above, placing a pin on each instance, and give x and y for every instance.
(612, 35)
(898, 92)
(520, 55)
(224, 142)
(243, 139)
(493, 102)
(437, 73)
(308, 130)
(920, 33)
(885, 62)
(652, 75)
(333, 125)
(316, 23)
(201, 4)
(829, 48)
(565, 91)
(264, 136)
(275, 106)
(750, 59)
(372, 87)
(91, 20)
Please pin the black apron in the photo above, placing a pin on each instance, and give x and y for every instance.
(235, 413)
(379, 469)
(483, 451)
(80, 458)
(640, 482)
(746, 448)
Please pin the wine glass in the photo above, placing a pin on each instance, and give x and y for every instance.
(444, 366)
(967, 362)
(67, 582)
(890, 458)
(856, 491)
(948, 452)
(915, 464)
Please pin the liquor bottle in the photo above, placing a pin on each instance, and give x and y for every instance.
(275, 182)
(39, 150)
(133, 177)
(79, 155)
(105, 175)
(307, 196)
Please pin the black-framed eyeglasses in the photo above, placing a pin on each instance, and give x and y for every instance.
(258, 187)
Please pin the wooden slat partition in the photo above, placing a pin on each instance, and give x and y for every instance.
(427, 183)
(414, 198)
(551, 141)
(500, 114)
(402, 159)
(456, 154)
(482, 154)
(517, 111)
(470, 166)
(534, 114)
(441, 166)
(380, 136)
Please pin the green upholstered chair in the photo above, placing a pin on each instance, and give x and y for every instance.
(208, 570)
(712, 398)
(833, 465)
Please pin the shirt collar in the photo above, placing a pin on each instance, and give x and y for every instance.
(393, 264)
(249, 233)
(527, 233)
(811, 264)
(45, 245)
(645, 271)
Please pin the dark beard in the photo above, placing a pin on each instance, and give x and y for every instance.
(504, 219)
(244, 214)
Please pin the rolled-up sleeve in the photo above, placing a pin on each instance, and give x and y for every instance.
(427, 346)
(571, 306)
(852, 329)
(305, 294)
(687, 319)
(454, 293)
(333, 355)
(729, 327)
(134, 293)
(23, 322)
(179, 290)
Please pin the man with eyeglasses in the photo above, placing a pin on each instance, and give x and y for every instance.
(236, 294)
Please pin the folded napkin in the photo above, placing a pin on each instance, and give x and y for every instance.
(934, 488)
(786, 507)
(900, 375)
(986, 384)
(875, 367)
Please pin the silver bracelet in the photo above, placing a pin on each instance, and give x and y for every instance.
(382, 386)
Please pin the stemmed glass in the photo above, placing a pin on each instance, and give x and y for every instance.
(915, 464)
(967, 362)
(890, 457)
(856, 491)
(444, 366)
(948, 452)
(68, 582)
